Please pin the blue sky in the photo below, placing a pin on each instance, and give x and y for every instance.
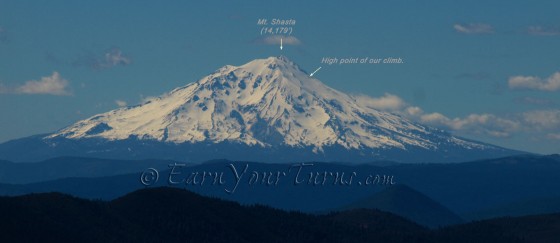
(486, 70)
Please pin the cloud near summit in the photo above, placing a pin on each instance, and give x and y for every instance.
(545, 122)
(275, 40)
(387, 102)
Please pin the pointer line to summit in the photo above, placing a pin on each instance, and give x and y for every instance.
(313, 73)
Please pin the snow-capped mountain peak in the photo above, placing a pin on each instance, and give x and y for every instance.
(266, 102)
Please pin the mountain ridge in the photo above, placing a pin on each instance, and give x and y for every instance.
(397, 199)
(177, 215)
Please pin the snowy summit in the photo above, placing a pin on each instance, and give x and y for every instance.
(268, 104)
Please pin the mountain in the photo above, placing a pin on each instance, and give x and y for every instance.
(405, 201)
(177, 215)
(266, 110)
(529, 229)
(467, 189)
(519, 208)
(472, 186)
(65, 167)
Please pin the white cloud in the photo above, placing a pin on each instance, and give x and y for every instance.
(51, 85)
(110, 58)
(387, 102)
(487, 124)
(538, 123)
(435, 119)
(543, 31)
(474, 28)
(413, 111)
(275, 40)
(551, 83)
(535, 121)
(542, 119)
(120, 103)
(114, 57)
